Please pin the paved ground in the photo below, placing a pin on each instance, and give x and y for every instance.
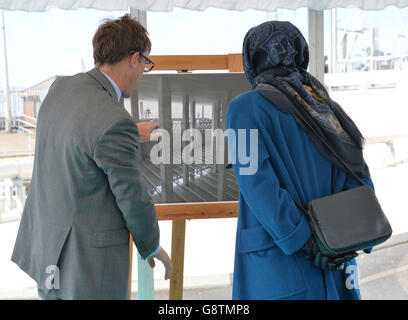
(383, 276)
(384, 272)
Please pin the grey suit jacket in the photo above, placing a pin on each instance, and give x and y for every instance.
(86, 194)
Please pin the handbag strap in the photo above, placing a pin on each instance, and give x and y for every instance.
(278, 96)
(281, 95)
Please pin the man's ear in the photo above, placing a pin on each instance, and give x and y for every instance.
(133, 58)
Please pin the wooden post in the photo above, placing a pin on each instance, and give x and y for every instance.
(177, 258)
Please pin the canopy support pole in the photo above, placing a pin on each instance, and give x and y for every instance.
(316, 44)
(333, 41)
(139, 15)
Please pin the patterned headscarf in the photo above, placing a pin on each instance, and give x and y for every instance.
(275, 53)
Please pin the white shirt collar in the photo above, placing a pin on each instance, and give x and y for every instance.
(115, 86)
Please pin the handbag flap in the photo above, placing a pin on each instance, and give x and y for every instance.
(349, 219)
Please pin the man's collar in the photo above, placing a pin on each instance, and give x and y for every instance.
(103, 81)
(115, 86)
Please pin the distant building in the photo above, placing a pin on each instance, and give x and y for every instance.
(32, 97)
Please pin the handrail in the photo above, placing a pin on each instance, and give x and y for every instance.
(27, 116)
(179, 213)
(197, 210)
(28, 124)
(375, 58)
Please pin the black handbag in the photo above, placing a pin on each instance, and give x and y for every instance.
(347, 221)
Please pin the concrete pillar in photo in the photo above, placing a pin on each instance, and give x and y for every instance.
(134, 105)
(316, 44)
(192, 126)
(222, 148)
(215, 125)
(141, 110)
(185, 125)
(166, 170)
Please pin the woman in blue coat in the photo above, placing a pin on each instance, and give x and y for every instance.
(276, 255)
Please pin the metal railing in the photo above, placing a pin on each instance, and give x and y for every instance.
(372, 63)
(25, 126)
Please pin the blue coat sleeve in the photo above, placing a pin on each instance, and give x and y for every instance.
(272, 205)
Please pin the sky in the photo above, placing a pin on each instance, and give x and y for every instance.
(59, 42)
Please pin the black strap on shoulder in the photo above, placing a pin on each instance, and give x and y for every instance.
(276, 96)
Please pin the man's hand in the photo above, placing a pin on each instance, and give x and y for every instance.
(145, 129)
(165, 259)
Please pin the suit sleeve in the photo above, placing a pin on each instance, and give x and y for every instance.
(116, 155)
(271, 204)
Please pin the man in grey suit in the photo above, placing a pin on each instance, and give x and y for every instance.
(87, 192)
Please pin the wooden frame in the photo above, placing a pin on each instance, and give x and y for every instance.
(185, 63)
(178, 213)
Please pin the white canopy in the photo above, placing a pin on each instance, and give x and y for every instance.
(168, 5)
